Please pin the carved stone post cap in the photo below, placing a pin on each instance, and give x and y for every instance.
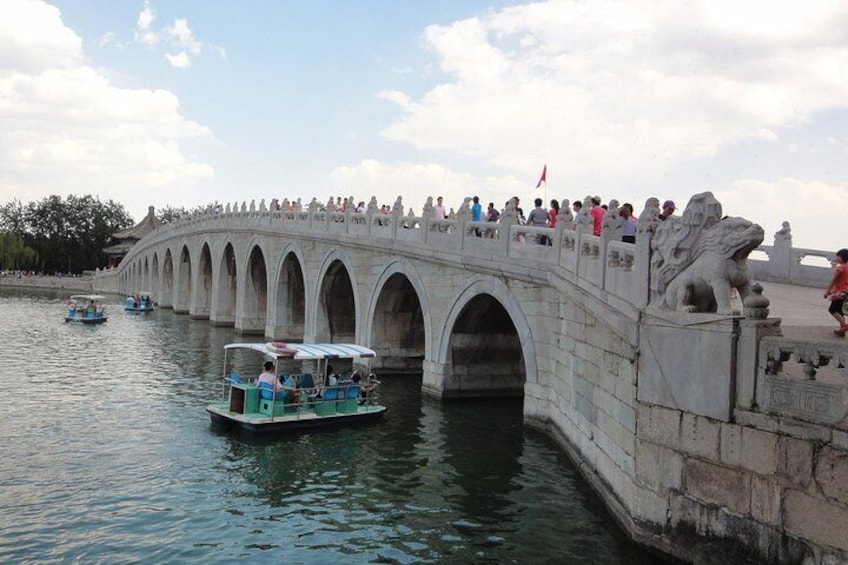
(755, 305)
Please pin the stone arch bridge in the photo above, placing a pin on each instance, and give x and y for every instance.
(691, 427)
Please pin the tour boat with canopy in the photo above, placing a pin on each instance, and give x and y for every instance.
(86, 309)
(310, 402)
(139, 302)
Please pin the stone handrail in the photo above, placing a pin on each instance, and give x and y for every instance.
(817, 393)
(785, 264)
(593, 263)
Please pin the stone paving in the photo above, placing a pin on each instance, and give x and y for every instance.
(803, 312)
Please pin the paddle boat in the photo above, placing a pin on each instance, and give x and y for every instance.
(255, 407)
(86, 309)
(139, 302)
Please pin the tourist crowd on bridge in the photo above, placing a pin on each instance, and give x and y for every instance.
(590, 213)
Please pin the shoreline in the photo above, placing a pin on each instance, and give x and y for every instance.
(84, 284)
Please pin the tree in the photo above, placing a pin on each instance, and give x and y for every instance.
(66, 235)
(12, 217)
(14, 253)
(168, 214)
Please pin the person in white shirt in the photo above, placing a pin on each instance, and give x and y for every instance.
(269, 376)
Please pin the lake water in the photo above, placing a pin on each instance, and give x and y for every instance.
(108, 456)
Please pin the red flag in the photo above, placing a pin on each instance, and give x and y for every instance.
(543, 177)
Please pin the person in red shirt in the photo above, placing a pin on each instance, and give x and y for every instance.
(598, 213)
(837, 291)
(553, 213)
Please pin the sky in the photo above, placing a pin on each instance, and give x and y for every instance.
(188, 102)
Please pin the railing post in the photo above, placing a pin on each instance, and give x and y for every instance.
(505, 233)
(747, 355)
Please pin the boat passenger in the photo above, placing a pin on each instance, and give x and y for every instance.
(270, 377)
(364, 388)
(331, 379)
(345, 378)
(290, 385)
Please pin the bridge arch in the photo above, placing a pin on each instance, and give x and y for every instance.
(145, 275)
(202, 305)
(334, 317)
(289, 297)
(154, 277)
(167, 280)
(182, 297)
(224, 302)
(486, 348)
(253, 308)
(398, 322)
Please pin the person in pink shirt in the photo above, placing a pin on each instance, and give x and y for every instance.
(598, 214)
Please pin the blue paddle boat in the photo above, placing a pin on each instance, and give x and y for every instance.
(86, 309)
(139, 302)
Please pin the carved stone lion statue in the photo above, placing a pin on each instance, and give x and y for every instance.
(719, 262)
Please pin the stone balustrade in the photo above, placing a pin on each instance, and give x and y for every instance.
(804, 395)
(575, 252)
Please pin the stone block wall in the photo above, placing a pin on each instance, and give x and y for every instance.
(585, 395)
(757, 489)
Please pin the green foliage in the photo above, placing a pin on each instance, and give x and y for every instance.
(168, 214)
(14, 253)
(63, 235)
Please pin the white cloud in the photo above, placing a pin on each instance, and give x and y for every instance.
(145, 17)
(32, 38)
(799, 202)
(766, 134)
(67, 129)
(143, 33)
(182, 36)
(178, 35)
(613, 89)
(397, 97)
(180, 60)
(105, 39)
(413, 182)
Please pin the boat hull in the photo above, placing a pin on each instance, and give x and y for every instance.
(89, 321)
(222, 417)
(139, 310)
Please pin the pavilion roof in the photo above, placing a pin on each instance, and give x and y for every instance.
(141, 229)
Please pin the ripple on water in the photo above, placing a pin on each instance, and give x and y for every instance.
(109, 457)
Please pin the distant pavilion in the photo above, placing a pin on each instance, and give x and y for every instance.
(128, 238)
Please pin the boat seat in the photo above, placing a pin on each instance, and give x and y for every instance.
(306, 381)
(266, 391)
(349, 403)
(235, 378)
(327, 405)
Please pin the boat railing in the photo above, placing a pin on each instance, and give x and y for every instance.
(345, 398)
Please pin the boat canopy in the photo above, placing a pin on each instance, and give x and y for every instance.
(87, 297)
(306, 351)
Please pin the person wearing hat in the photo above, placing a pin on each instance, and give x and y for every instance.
(668, 209)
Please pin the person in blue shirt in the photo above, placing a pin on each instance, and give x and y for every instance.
(476, 213)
